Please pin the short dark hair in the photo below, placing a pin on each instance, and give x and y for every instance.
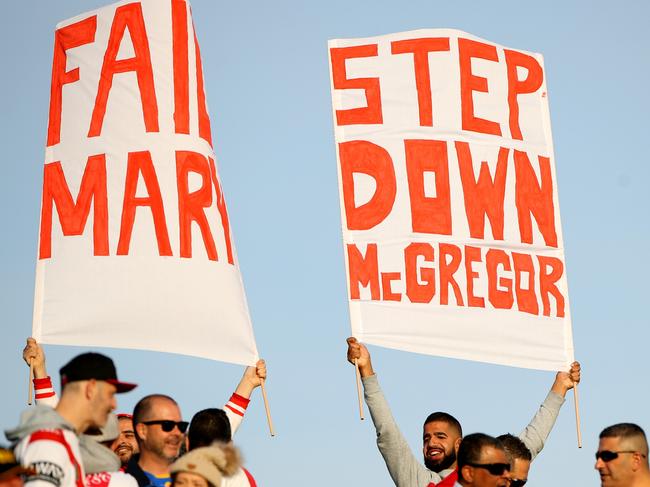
(144, 407)
(625, 430)
(471, 447)
(208, 426)
(445, 418)
(514, 447)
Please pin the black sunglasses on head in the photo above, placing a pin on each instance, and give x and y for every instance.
(518, 482)
(168, 425)
(608, 455)
(492, 468)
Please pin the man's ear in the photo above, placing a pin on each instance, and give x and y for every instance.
(467, 474)
(90, 389)
(141, 431)
(457, 445)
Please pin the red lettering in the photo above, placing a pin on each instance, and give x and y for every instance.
(547, 284)
(73, 215)
(363, 270)
(428, 214)
(447, 270)
(516, 87)
(526, 298)
(139, 163)
(365, 157)
(68, 37)
(472, 254)
(468, 49)
(485, 196)
(191, 204)
(420, 48)
(127, 16)
(531, 198)
(416, 292)
(205, 131)
(386, 279)
(223, 212)
(370, 114)
(498, 298)
(181, 67)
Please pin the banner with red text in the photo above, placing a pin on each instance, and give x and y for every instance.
(449, 204)
(135, 247)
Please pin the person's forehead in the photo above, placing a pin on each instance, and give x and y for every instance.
(125, 424)
(489, 454)
(440, 427)
(107, 386)
(161, 406)
(609, 443)
(190, 476)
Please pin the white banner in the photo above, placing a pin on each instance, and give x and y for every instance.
(135, 247)
(451, 222)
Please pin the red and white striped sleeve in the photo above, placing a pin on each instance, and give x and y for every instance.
(44, 392)
(235, 409)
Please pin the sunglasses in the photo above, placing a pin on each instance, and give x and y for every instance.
(608, 455)
(518, 482)
(168, 425)
(492, 468)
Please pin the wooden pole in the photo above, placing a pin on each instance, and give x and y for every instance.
(268, 410)
(30, 387)
(358, 374)
(576, 404)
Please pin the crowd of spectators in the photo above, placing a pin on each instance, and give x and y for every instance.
(75, 438)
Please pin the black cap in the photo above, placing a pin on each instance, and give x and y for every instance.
(93, 366)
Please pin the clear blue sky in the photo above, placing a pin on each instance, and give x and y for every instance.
(267, 86)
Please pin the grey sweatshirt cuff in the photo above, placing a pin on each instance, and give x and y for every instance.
(370, 384)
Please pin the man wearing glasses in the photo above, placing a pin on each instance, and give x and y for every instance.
(622, 456)
(482, 462)
(160, 430)
(520, 458)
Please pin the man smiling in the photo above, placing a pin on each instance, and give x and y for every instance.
(622, 456)
(125, 445)
(159, 430)
(442, 433)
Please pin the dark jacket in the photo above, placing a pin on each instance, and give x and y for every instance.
(134, 469)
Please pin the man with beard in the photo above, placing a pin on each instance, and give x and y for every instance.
(47, 440)
(159, 430)
(622, 456)
(442, 433)
(125, 445)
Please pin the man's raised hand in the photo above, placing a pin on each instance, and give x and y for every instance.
(252, 378)
(564, 381)
(359, 352)
(33, 355)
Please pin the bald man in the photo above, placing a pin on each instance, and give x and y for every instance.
(622, 456)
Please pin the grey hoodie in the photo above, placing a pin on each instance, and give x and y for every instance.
(95, 457)
(37, 418)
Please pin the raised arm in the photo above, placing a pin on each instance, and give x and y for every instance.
(236, 406)
(535, 434)
(404, 468)
(44, 392)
